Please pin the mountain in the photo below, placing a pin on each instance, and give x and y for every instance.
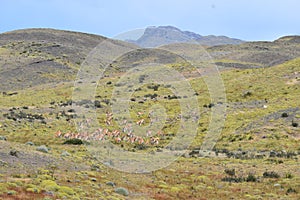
(162, 35)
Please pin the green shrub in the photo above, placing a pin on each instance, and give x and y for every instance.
(122, 191)
(230, 172)
(49, 185)
(291, 190)
(289, 175)
(30, 143)
(11, 192)
(74, 141)
(66, 190)
(247, 93)
(233, 179)
(3, 138)
(251, 178)
(112, 184)
(271, 175)
(14, 152)
(43, 149)
(295, 124)
(65, 154)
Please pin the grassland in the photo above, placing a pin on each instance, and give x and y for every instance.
(255, 157)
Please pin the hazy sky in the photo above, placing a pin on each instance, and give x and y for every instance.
(244, 19)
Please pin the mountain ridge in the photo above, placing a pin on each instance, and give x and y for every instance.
(163, 35)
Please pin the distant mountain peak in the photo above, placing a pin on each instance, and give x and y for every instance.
(155, 36)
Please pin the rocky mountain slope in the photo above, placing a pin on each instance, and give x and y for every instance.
(162, 35)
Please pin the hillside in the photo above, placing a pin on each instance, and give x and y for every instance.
(48, 150)
(38, 56)
(246, 55)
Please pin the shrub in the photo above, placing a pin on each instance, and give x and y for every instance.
(30, 143)
(172, 97)
(73, 141)
(3, 138)
(112, 184)
(97, 104)
(33, 190)
(291, 190)
(43, 149)
(284, 115)
(230, 172)
(211, 105)
(295, 124)
(140, 146)
(153, 87)
(247, 93)
(11, 192)
(66, 190)
(49, 185)
(122, 191)
(289, 175)
(152, 96)
(14, 153)
(251, 178)
(271, 175)
(142, 78)
(65, 154)
(233, 179)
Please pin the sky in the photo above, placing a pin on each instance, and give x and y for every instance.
(244, 19)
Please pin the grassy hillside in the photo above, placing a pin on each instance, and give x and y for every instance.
(246, 55)
(255, 157)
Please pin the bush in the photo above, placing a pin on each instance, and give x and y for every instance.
(153, 87)
(284, 115)
(112, 184)
(122, 191)
(251, 178)
(14, 153)
(65, 154)
(152, 96)
(295, 124)
(289, 175)
(247, 94)
(30, 143)
(291, 190)
(97, 104)
(142, 78)
(3, 138)
(271, 175)
(73, 141)
(233, 179)
(11, 192)
(49, 185)
(230, 172)
(140, 146)
(43, 149)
